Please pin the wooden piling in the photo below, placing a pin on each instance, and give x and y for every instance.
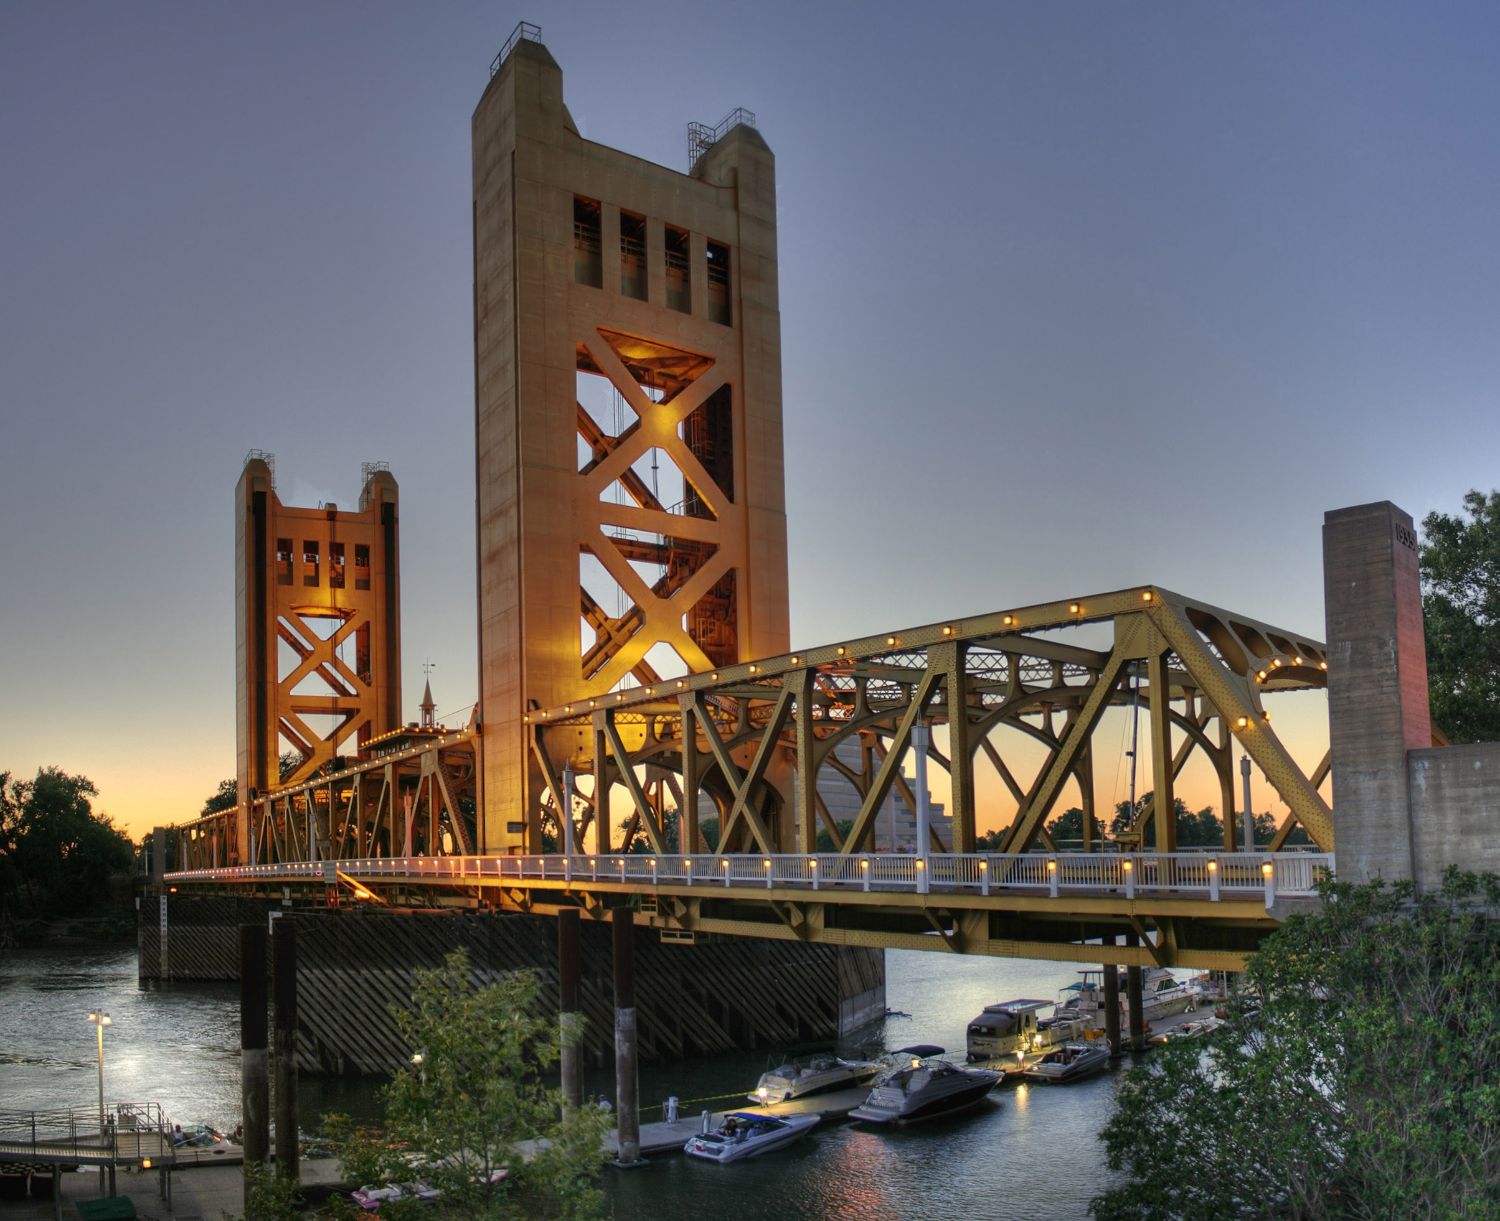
(284, 1025)
(627, 1073)
(254, 1084)
(1112, 1008)
(569, 1016)
(1133, 1001)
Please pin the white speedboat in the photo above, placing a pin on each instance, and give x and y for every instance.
(816, 1075)
(917, 1085)
(1199, 1029)
(748, 1134)
(1070, 1062)
(1162, 995)
(1016, 1028)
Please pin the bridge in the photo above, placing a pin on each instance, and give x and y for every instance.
(962, 697)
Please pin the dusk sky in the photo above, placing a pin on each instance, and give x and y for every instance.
(1074, 297)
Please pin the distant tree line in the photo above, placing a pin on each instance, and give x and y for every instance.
(57, 855)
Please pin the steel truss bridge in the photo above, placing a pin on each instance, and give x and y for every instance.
(754, 740)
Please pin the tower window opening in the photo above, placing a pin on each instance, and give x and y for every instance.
(633, 255)
(283, 561)
(679, 289)
(361, 566)
(718, 284)
(335, 565)
(588, 260)
(310, 561)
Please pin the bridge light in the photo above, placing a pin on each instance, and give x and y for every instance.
(1322, 665)
(650, 690)
(714, 676)
(1275, 663)
(619, 695)
(795, 659)
(766, 863)
(890, 640)
(525, 720)
(569, 708)
(1266, 717)
(1009, 620)
(984, 866)
(1296, 661)
(1051, 866)
(723, 864)
(591, 703)
(947, 630)
(841, 652)
(1265, 869)
(1213, 866)
(1127, 866)
(812, 862)
(1146, 596)
(864, 863)
(1074, 608)
(921, 864)
(1242, 722)
(1260, 676)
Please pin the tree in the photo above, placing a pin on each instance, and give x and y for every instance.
(1367, 1084)
(474, 1119)
(1460, 560)
(225, 797)
(59, 854)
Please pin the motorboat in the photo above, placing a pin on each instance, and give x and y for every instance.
(1016, 1028)
(1162, 995)
(205, 1141)
(1199, 1029)
(371, 1196)
(816, 1075)
(745, 1134)
(916, 1084)
(1070, 1062)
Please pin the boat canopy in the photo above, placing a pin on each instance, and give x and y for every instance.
(920, 1049)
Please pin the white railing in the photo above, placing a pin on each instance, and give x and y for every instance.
(1182, 874)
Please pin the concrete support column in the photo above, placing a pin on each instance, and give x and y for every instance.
(570, 1020)
(255, 1101)
(627, 1072)
(1133, 1001)
(1377, 685)
(284, 1025)
(1112, 1007)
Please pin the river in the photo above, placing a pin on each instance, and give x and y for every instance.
(1029, 1152)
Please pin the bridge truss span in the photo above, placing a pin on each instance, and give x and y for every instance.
(754, 741)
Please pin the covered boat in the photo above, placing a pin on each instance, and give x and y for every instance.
(917, 1085)
(816, 1075)
(1017, 1027)
(748, 1134)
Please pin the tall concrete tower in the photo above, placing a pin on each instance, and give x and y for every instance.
(627, 347)
(317, 628)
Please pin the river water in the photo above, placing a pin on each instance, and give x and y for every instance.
(1029, 1152)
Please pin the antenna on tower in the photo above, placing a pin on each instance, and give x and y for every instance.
(429, 709)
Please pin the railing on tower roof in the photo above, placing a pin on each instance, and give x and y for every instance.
(524, 32)
(264, 456)
(702, 137)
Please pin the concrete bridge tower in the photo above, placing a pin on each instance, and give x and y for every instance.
(631, 513)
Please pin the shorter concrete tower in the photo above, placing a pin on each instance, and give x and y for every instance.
(317, 628)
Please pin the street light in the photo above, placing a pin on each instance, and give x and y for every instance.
(100, 1020)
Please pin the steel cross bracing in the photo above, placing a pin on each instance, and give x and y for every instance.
(415, 795)
(755, 738)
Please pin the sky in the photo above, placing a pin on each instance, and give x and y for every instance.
(1074, 297)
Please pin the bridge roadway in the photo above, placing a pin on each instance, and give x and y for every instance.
(1189, 909)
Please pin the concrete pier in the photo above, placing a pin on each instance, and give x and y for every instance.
(1112, 1009)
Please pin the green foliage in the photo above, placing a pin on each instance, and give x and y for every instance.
(56, 855)
(1367, 1085)
(824, 842)
(224, 797)
(476, 1106)
(269, 1196)
(1460, 557)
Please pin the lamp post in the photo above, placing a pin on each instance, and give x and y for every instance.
(99, 1021)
